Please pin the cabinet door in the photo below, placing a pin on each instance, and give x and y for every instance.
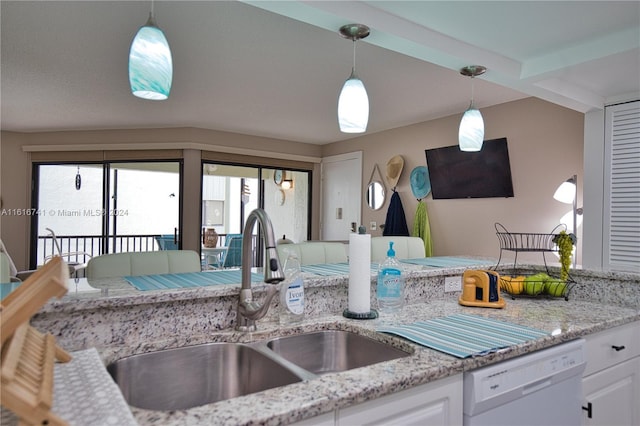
(613, 394)
(612, 346)
(437, 403)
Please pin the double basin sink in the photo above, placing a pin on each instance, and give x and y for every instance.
(182, 378)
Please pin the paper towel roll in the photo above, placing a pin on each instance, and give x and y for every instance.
(359, 273)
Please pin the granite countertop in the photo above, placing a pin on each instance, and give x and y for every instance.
(121, 321)
(117, 292)
(563, 320)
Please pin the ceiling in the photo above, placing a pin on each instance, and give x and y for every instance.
(275, 69)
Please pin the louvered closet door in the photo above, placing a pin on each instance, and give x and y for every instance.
(622, 179)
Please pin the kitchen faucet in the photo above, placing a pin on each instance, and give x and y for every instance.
(250, 311)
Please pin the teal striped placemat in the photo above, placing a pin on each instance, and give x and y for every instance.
(326, 269)
(189, 279)
(444, 261)
(464, 335)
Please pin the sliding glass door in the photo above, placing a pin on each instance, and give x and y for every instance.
(231, 192)
(90, 209)
(69, 206)
(144, 213)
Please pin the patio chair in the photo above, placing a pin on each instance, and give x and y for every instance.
(167, 242)
(74, 265)
(233, 256)
(217, 261)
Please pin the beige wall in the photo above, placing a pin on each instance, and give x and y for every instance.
(545, 148)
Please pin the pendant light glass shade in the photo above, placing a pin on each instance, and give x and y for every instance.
(353, 101)
(353, 106)
(150, 63)
(471, 132)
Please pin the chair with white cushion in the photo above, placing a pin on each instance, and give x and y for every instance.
(314, 252)
(143, 263)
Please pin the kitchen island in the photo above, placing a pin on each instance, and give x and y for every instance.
(120, 325)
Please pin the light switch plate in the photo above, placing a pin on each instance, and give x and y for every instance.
(452, 284)
(373, 225)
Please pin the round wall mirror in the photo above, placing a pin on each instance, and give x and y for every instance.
(375, 195)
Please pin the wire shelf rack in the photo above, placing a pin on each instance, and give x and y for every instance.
(514, 281)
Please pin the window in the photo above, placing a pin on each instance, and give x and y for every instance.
(87, 209)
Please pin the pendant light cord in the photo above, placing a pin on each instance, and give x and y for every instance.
(353, 68)
(472, 93)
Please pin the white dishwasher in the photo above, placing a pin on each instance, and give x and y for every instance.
(541, 388)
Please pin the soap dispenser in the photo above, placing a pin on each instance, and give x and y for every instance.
(292, 292)
(390, 292)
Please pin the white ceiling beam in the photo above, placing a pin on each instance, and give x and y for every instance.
(411, 39)
(602, 47)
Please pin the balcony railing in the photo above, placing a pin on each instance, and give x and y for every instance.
(78, 245)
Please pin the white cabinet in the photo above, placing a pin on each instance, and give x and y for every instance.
(611, 382)
(435, 403)
(613, 395)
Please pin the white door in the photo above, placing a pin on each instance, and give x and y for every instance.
(341, 195)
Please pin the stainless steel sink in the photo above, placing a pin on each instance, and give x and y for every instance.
(182, 378)
(177, 379)
(331, 351)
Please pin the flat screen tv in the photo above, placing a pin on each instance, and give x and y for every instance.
(458, 174)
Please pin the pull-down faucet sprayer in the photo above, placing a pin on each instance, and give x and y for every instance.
(250, 311)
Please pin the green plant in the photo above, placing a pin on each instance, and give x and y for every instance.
(565, 243)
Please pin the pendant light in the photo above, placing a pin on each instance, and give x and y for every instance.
(150, 63)
(471, 132)
(353, 102)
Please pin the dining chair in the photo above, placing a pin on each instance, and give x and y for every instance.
(166, 242)
(233, 256)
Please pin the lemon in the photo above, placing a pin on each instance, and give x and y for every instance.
(517, 285)
(512, 285)
(505, 282)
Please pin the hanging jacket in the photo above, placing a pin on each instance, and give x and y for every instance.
(396, 223)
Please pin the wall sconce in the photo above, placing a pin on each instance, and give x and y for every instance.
(567, 193)
(287, 184)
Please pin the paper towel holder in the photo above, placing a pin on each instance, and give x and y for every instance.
(372, 314)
